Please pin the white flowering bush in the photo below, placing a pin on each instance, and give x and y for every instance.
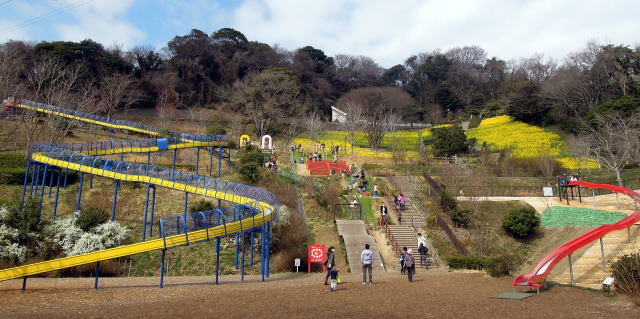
(73, 240)
(9, 249)
(64, 233)
(111, 234)
(3, 213)
(87, 243)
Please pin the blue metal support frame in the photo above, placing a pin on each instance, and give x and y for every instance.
(237, 218)
(80, 192)
(186, 205)
(24, 283)
(146, 210)
(24, 184)
(219, 161)
(251, 258)
(218, 253)
(197, 159)
(95, 284)
(91, 181)
(153, 209)
(37, 179)
(55, 202)
(66, 172)
(210, 161)
(44, 180)
(164, 252)
(243, 249)
(115, 200)
(268, 245)
(262, 245)
(173, 164)
(51, 182)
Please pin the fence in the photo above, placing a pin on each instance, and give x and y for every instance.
(348, 211)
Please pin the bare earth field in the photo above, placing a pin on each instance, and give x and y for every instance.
(432, 295)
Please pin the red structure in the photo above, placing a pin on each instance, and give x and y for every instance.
(316, 255)
(539, 274)
(325, 167)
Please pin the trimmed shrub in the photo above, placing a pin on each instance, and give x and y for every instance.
(25, 219)
(201, 206)
(626, 271)
(12, 176)
(501, 265)
(449, 141)
(91, 217)
(216, 129)
(448, 201)
(521, 222)
(467, 262)
(250, 162)
(461, 217)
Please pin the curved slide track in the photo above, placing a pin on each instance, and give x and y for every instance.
(541, 271)
(252, 211)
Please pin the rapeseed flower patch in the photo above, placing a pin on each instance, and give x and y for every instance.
(525, 141)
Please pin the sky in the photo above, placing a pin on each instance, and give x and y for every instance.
(387, 31)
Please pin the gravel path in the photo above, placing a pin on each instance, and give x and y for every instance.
(431, 295)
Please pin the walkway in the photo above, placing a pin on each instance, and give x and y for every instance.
(355, 237)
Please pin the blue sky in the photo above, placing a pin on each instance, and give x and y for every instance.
(388, 31)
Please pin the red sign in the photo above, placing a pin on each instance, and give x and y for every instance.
(316, 255)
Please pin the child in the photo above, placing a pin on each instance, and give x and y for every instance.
(334, 278)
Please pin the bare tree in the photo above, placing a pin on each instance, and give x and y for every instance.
(613, 141)
(547, 164)
(353, 120)
(272, 95)
(291, 129)
(113, 93)
(377, 106)
(314, 126)
(54, 83)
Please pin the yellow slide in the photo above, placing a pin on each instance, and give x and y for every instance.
(266, 208)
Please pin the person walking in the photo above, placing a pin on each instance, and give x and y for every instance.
(334, 278)
(403, 255)
(330, 262)
(410, 264)
(422, 249)
(366, 258)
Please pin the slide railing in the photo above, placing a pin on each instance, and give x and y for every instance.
(541, 271)
(254, 207)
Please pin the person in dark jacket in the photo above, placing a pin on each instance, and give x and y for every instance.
(329, 263)
(410, 264)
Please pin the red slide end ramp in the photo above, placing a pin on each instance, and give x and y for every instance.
(541, 271)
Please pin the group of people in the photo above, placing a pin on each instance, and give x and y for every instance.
(407, 263)
(273, 163)
(565, 179)
(407, 259)
(400, 201)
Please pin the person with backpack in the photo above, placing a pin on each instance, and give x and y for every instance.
(329, 263)
(410, 264)
(402, 257)
(422, 250)
(366, 258)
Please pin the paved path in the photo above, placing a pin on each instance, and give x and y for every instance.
(355, 237)
(603, 202)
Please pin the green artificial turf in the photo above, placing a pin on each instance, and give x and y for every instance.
(557, 216)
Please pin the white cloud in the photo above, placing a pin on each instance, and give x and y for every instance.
(391, 31)
(102, 21)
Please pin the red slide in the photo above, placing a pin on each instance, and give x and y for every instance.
(540, 272)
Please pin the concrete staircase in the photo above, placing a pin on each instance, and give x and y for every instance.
(404, 236)
(355, 237)
(588, 269)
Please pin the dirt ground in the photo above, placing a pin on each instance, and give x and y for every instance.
(431, 295)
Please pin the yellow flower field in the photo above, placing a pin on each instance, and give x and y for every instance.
(525, 141)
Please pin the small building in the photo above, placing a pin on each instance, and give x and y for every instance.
(338, 115)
